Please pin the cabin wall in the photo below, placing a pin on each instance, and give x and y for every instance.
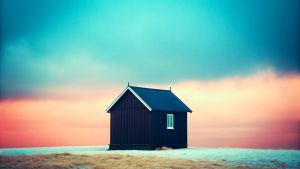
(161, 136)
(130, 124)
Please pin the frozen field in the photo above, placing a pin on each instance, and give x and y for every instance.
(234, 156)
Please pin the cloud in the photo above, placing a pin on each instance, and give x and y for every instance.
(34, 123)
(52, 43)
(28, 73)
(258, 111)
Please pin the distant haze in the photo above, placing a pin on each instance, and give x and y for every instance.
(234, 63)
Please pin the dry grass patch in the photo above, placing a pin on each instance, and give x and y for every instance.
(163, 148)
(67, 160)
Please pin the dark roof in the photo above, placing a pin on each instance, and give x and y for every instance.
(156, 99)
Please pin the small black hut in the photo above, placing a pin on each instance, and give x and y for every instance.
(145, 118)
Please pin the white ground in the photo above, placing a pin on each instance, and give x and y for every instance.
(234, 156)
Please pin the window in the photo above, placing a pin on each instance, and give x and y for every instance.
(170, 121)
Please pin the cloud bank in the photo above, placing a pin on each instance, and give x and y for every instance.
(258, 111)
(103, 43)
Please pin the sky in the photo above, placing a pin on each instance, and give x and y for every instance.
(234, 63)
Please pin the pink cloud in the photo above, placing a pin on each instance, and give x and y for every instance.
(259, 111)
(33, 123)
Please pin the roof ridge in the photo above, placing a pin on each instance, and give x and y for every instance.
(149, 88)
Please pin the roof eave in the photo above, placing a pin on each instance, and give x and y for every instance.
(173, 110)
(113, 103)
(134, 93)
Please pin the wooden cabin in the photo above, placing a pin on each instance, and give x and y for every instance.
(145, 118)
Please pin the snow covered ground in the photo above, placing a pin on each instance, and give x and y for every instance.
(234, 156)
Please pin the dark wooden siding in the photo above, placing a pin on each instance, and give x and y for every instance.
(161, 136)
(130, 122)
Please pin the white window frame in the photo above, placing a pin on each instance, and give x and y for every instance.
(170, 121)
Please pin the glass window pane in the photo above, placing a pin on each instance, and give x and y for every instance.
(168, 121)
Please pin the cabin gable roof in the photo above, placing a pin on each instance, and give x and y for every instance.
(155, 99)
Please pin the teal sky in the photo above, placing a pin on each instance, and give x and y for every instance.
(102, 43)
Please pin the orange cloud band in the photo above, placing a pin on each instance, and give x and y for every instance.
(259, 111)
